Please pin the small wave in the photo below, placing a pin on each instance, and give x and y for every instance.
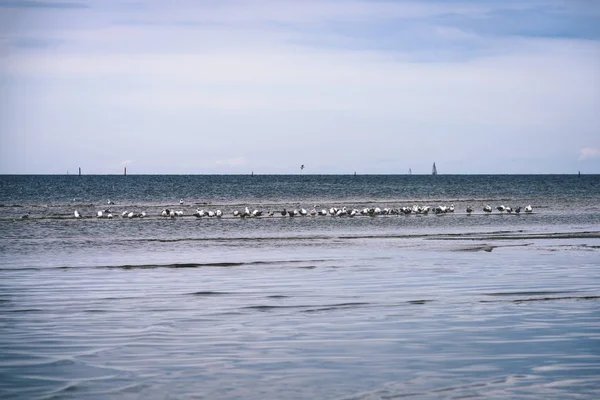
(535, 299)
(208, 293)
(234, 239)
(173, 265)
(478, 248)
(270, 308)
(213, 264)
(529, 293)
(516, 235)
(309, 308)
(419, 301)
(557, 298)
(177, 265)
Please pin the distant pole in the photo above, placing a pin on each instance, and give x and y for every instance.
(79, 171)
(124, 171)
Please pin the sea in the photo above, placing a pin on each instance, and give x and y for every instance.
(416, 305)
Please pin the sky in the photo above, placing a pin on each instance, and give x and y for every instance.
(339, 86)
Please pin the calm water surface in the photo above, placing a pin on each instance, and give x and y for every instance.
(383, 307)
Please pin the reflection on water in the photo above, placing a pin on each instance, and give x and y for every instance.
(351, 323)
(449, 306)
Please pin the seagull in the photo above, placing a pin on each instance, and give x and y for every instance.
(487, 208)
(528, 209)
(236, 213)
(181, 202)
(469, 209)
(518, 210)
(501, 208)
(218, 213)
(109, 216)
(26, 216)
(165, 212)
(110, 202)
(283, 213)
(303, 212)
(77, 215)
(99, 214)
(124, 214)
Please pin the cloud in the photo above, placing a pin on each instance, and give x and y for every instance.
(589, 152)
(34, 43)
(291, 74)
(42, 4)
(232, 162)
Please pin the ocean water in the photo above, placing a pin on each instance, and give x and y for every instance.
(317, 307)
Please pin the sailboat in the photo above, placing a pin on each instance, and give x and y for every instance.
(434, 170)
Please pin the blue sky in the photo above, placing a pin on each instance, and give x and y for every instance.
(337, 85)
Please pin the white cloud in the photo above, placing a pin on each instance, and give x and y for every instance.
(589, 152)
(293, 74)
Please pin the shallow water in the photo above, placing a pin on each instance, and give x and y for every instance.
(392, 306)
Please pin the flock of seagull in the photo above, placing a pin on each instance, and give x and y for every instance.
(315, 211)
